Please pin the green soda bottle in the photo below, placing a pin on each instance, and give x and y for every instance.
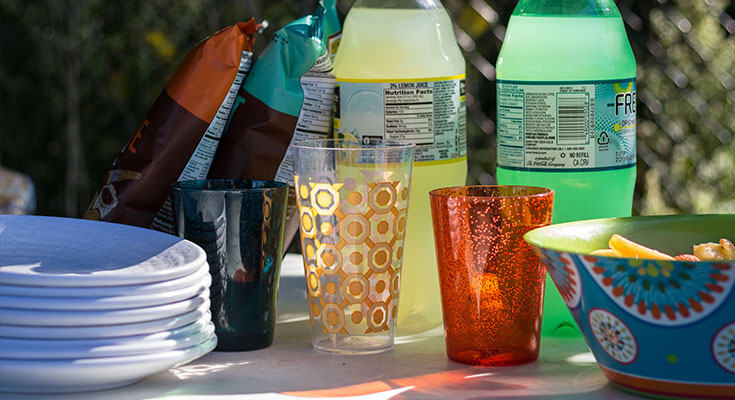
(566, 119)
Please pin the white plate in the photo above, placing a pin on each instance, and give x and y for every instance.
(181, 338)
(100, 291)
(12, 316)
(52, 251)
(105, 331)
(87, 374)
(106, 302)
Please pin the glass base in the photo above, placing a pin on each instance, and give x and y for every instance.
(494, 357)
(242, 341)
(353, 344)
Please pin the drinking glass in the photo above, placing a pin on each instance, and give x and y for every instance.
(490, 279)
(240, 225)
(353, 202)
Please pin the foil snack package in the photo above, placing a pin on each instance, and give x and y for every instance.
(287, 96)
(179, 136)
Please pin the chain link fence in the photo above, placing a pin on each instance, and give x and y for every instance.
(685, 52)
(98, 69)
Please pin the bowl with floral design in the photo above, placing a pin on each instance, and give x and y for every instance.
(663, 328)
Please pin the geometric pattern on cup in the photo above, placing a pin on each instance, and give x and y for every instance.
(352, 246)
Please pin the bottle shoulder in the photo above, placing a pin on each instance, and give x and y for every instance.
(594, 8)
(565, 48)
(378, 44)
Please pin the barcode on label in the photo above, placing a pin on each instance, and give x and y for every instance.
(573, 111)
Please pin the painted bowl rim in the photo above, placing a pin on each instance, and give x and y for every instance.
(533, 237)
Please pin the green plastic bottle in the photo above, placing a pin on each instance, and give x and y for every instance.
(567, 115)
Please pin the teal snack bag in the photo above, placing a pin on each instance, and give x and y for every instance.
(287, 96)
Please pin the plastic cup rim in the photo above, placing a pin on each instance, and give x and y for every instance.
(387, 144)
(274, 185)
(543, 192)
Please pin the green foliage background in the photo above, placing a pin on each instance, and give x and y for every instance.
(77, 77)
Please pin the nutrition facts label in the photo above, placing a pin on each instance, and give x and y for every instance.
(409, 113)
(566, 125)
(198, 165)
(201, 160)
(316, 111)
(429, 113)
(510, 121)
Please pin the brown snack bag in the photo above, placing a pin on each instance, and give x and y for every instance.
(178, 138)
(287, 96)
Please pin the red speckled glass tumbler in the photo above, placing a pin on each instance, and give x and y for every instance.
(491, 282)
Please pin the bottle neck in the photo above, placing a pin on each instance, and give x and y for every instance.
(597, 8)
(402, 4)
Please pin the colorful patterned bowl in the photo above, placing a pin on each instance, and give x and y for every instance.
(657, 328)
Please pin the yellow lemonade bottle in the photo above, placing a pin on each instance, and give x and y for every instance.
(401, 75)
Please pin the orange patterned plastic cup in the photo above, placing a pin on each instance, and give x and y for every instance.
(353, 204)
(491, 282)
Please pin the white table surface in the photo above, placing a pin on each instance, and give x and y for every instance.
(417, 368)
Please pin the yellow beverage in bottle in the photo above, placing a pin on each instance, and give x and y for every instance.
(420, 304)
(400, 75)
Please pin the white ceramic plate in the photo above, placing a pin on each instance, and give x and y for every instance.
(52, 251)
(106, 302)
(101, 291)
(14, 316)
(28, 349)
(105, 331)
(87, 374)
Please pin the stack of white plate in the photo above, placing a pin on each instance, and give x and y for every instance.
(87, 305)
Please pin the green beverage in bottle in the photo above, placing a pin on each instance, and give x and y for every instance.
(566, 99)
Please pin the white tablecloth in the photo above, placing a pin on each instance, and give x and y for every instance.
(416, 369)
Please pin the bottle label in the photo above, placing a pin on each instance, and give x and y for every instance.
(428, 112)
(552, 126)
(333, 44)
